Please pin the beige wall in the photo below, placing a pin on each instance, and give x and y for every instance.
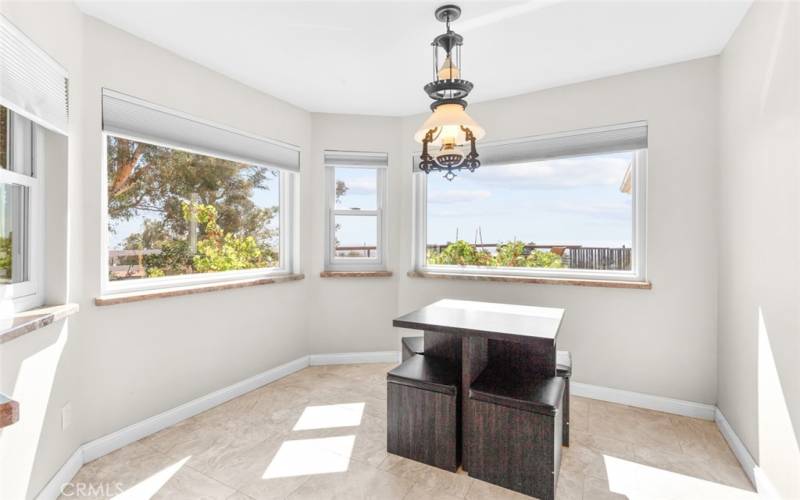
(660, 341)
(759, 281)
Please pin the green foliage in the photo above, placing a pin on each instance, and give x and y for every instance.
(5, 259)
(460, 253)
(509, 254)
(180, 192)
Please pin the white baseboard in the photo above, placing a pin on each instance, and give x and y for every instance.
(134, 432)
(116, 440)
(756, 474)
(347, 358)
(64, 475)
(106, 444)
(647, 401)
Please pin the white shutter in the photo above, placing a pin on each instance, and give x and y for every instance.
(624, 137)
(137, 119)
(31, 83)
(356, 159)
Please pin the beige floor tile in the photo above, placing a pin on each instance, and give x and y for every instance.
(231, 447)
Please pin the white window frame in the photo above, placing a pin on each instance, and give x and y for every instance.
(639, 237)
(27, 147)
(286, 221)
(334, 263)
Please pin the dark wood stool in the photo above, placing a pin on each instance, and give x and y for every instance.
(424, 414)
(515, 435)
(564, 370)
(412, 346)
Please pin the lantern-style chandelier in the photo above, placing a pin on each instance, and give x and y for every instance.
(449, 131)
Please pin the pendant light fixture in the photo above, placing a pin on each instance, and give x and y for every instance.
(448, 136)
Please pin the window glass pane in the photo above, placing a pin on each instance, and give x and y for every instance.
(171, 212)
(357, 188)
(573, 213)
(13, 233)
(356, 236)
(16, 142)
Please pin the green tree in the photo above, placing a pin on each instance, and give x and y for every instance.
(460, 253)
(509, 254)
(148, 179)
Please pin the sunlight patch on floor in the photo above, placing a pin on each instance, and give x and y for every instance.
(330, 416)
(304, 457)
(147, 488)
(637, 481)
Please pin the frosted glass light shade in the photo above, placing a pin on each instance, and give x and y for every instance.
(449, 118)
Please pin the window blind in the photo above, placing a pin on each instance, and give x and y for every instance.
(356, 159)
(137, 119)
(623, 137)
(31, 83)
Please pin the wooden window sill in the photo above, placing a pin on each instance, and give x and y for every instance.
(355, 274)
(28, 321)
(160, 293)
(640, 285)
(9, 411)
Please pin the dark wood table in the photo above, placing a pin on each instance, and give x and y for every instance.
(473, 334)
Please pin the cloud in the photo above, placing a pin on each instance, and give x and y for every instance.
(457, 196)
(557, 174)
(606, 211)
(360, 186)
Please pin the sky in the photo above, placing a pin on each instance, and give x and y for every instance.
(558, 202)
(553, 202)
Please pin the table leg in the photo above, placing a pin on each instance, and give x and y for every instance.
(475, 357)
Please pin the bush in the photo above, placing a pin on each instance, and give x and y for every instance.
(509, 254)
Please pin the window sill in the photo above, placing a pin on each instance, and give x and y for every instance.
(640, 285)
(160, 293)
(28, 321)
(9, 411)
(355, 274)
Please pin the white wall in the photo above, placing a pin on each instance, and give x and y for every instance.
(660, 341)
(759, 279)
(352, 314)
(119, 365)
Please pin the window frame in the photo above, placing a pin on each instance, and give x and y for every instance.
(27, 294)
(334, 263)
(287, 203)
(639, 236)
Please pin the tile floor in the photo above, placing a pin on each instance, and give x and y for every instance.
(321, 433)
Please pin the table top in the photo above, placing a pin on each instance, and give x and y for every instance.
(486, 319)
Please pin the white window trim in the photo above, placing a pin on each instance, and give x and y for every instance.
(333, 263)
(28, 294)
(638, 254)
(288, 262)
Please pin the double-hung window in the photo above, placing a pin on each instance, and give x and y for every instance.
(21, 207)
(355, 187)
(568, 205)
(188, 201)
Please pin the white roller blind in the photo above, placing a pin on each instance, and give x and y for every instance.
(624, 137)
(131, 117)
(31, 83)
(356, 159)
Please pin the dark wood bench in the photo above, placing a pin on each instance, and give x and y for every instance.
(564, 370)
(423, 420)
(516, 431)
(412, 346)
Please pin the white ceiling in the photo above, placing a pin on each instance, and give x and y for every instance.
(374, 57)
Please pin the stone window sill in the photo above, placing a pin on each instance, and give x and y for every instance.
(355, 274)
(160, 293)
(28, 321)
(639, 285)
